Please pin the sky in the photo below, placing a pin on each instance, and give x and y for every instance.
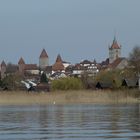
(75, 29)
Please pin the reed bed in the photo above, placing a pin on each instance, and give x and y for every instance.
(69, 97)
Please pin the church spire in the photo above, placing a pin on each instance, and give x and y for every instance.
(115, 44)
(114, 40)
(114, 51)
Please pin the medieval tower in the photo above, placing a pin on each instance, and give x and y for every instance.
(21, 65)
(58, 66)
(43, 59)
(3, 69)
(114, 51)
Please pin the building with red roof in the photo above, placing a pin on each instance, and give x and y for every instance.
(114, 51)
(43, 60)
(58, 66)
(27, 68)
(119, 63)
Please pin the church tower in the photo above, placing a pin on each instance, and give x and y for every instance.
(43, 59)
(114, 51)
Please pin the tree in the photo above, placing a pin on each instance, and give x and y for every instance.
(134, 60)
(68, 83)
(11, 81)
(11, 68)
(110, 77)
(43, 78)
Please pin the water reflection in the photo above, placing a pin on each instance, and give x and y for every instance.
(70, 122)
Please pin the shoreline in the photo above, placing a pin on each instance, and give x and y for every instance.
(69, 97)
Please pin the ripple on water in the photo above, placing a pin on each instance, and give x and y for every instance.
(70, 122)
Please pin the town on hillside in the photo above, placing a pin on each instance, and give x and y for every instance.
(30, 73)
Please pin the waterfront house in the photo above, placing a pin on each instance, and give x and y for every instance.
(130, 83)
(104, 85)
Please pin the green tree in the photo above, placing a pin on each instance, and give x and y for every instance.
(88, 81)
(112, 77)
(11, 81)
(69, 83)
(43, 78)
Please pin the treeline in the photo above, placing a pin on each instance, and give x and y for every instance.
(69, 83)
(112, 79)
(13, 81)
(107, 80)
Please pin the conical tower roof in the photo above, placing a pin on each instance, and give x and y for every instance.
(43, 54)
(58, 59)
(58, 66)
(21, 61)
(3, 64)
(115, 44)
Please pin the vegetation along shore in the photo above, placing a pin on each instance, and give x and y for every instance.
(69, 97)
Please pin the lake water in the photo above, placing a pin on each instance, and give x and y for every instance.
(70, 122)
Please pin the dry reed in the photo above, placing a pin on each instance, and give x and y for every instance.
(69, 97)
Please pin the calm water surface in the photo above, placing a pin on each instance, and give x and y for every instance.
(70, 122)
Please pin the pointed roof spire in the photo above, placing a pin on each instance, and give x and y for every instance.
(114, 40)
(58, 59)
(43, 54)
(94, 61)
(21, 61)
(3, 64)
(115, 44)
(58, 66)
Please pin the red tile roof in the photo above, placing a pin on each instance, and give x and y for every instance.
(116, 63)
(115, 45)
(3, 64)
(31, 67)
(59, 59)
(43, 54)
(58, 66)
(21, 61)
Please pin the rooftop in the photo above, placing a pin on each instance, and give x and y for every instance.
(43, 54)
(115, 44)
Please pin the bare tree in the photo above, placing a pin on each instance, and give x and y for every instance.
(134, 59)
(134, 62)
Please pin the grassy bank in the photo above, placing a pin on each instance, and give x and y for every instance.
(70, 97)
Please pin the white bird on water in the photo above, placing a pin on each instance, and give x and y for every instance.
(54, 102)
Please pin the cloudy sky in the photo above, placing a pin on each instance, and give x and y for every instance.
(75, 29)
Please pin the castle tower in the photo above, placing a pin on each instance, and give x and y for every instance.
(114, 51)
(3, 69)
(58, 66)
(21, 65)
(43, 59)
